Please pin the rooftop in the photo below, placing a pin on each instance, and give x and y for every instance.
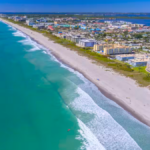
(140, 60)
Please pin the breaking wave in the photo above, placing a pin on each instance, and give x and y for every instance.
(28, 41)
(90, 141)
(19, 33)
(108, 132)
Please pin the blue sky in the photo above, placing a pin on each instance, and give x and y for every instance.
(75, 5)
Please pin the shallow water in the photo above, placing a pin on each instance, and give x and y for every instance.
(41, 99)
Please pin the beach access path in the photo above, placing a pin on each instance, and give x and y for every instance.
(116, 87)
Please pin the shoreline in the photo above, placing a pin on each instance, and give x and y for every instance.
(92, 71)
(105, 93)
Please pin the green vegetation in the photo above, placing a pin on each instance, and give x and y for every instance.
(137, 73)
(138, 36)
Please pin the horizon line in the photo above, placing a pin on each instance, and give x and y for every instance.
(76, 12)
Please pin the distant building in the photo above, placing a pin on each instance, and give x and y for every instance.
(115, 49)
(138, 62)
(125, 57)
(76, 39)
(83, 27)
(30, 22)
(108, 37)
(119, 36)
(124, 26)
(55, 22)
(50, 28)
(148, 66)
(17, 18)
(68, 37)
(109, 49)
(86, 43)
(109, 22)
(3, 15)
(38, 26)
(11, 17)
(98, 47)
(41, 20)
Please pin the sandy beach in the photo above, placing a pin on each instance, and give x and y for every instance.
(122, 90)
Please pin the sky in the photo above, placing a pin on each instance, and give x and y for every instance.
(74, 5)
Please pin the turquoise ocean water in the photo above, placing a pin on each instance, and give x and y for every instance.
(41, 98)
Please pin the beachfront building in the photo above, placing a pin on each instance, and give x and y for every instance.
(138, 62)
(148, 67)
(115, 49)
(69, 37)
(99, 47)
(109, 49)
(30, 22)
(41, 20)
(76, 39)
(39, 26)
(17, 18)
(86, 43)
(125, 57)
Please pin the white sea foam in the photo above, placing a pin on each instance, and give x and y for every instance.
(28, 41)
(44, 52)
(90, 142)
(19, 33)
(11, 28)
(108, 132)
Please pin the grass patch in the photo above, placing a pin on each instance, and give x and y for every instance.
(146, 78)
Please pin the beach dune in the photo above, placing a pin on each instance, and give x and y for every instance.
(118, 88)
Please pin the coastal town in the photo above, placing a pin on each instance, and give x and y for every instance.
(120, 40)
(95, 68)
(75, 75)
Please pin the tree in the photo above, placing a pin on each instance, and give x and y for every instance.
(104, 34)
(76, 28)
(125, 33)
(138, 36)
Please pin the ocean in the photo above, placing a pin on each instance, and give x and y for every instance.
(46, 105)
(146, 22)
(138, 21)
